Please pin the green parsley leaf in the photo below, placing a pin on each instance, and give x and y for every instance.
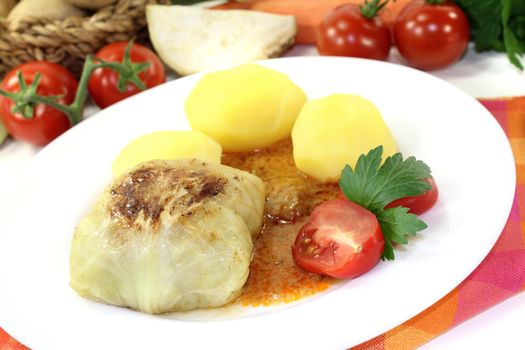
(373, 185)
(388, 251)
(515, 47)
(497, 25)
(486, 32)
(397, 223)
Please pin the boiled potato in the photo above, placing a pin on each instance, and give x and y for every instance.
(245, 107)
(166, 145)
(333, 131)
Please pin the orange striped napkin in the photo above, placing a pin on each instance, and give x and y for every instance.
(500, 276)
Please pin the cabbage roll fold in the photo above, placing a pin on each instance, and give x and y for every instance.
(169, 236)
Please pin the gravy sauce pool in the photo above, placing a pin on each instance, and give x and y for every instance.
(290, 197)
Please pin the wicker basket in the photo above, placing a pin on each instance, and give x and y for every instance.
(69, 41)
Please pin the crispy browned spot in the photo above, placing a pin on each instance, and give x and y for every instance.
(150, 188)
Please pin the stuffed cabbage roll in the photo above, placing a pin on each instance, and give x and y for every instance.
(169, 236)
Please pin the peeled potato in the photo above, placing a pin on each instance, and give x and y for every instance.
(244, 108)
(167, 145)
(333, 131)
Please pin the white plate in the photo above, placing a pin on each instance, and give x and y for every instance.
(465, 147)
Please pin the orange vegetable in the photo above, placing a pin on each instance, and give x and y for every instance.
(309, 13)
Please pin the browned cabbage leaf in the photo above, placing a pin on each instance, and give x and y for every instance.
(169, 236)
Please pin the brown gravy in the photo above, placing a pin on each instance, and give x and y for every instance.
(290, 197)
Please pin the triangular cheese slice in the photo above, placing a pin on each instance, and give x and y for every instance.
(192, 39)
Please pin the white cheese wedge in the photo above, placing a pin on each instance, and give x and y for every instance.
(191, 39)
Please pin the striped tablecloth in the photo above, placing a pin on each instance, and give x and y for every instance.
(500, 275)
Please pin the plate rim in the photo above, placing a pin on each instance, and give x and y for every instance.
(272, 62)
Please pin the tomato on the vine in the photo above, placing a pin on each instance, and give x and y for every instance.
(341, 239)
(418, 204)
(46, 122)
(356, 31)
(103, 84)
(431, 34)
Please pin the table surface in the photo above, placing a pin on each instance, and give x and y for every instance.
(487, 75)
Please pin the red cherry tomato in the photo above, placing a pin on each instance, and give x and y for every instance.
(346, 32)
(431, 36)
(418, 204)
(47, 123)
(103, 82)
(342, 240)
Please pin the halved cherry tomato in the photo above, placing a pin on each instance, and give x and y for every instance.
(347, 32)
(418, 204)
(47, 123)
(342, 240)
(103, 82)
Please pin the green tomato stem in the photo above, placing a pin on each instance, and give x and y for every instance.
(25, 100)
(3, 133)
(372, 8)
(22, 82)
(131, 71)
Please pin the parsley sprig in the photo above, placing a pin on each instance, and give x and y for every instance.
(497, 25)
(373, 186)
